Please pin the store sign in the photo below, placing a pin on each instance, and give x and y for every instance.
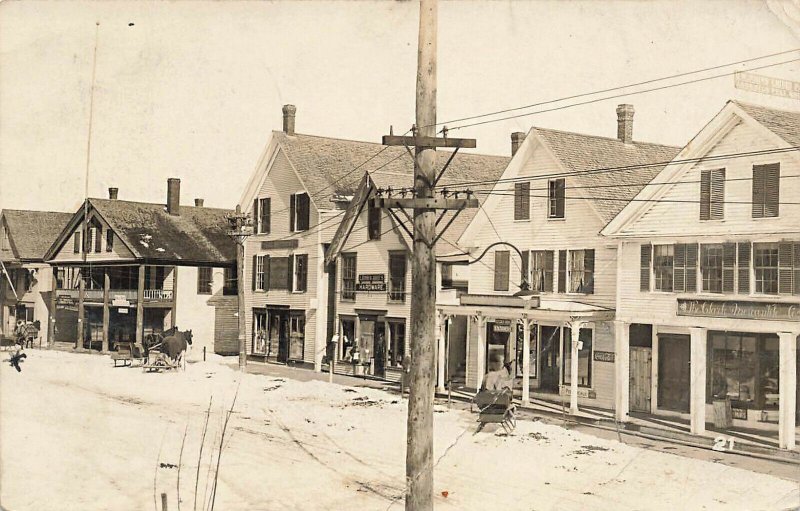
(65, 300)
(767, 85)
(604, 356)
(122, 310)
(565, 390)
(774, 311)
(120, 301)
(502, 325)
(739, 413)
(371, 282)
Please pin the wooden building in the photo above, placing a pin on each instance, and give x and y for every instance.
(25, 237)
(123, 269)
(709, 277)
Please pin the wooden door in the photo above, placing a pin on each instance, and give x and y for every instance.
(673, 372)
(640, 377)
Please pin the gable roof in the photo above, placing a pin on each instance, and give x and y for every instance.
(198, 235)
(584, 158)
(465, 167)
(784, 123)
(30, 233)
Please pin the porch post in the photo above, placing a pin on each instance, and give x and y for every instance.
(106, 312)
(575, 330)
(81, 294)
(697, 389)
(440, 348)
(140, 306)
(174, 297)
(526, 359)
(480, 322)
(788, 389)
(51, 320)
(622, 362)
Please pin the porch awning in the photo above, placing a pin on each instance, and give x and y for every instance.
(515, 307)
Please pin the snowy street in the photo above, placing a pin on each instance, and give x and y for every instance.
(76, 433)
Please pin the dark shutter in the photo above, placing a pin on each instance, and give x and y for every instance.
(290, 273)
(743, 267)
(562, 271)
(266, 272)
(522, 194)
(256, 217)
(76, 242)
(797, 268)
(98, 240)
(717, 206)
(109, 240)
(691, 268)
(292, 207)
(302, 211)
(304, 277)
(705, 195)
(525, 268)
(501, 270)
(728, 266)
(772, 183)
(785, 271)
(588, 271)
(679, 268)
(644, 267)
(266, 213)
(548, 271)
(254, 283)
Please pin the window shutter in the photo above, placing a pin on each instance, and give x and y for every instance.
(292, 206)
(717, 205)
(797, 268)
(562, 271)
(644, 267)
(501, 270)
(525, 268)
(772, 183)
(302, 285)
(728, 266)
(548, 271)
(256, 217)
(266, 214)
(98, 240)
(303, 211)
(522, 194)
(561, 187)
(743, 266)
(254, 283)
(679, 268)
(785, 260)
(588, 271)
(691, 267)
(705, 195)
(758, 192)
(290, 273)
(76, 242)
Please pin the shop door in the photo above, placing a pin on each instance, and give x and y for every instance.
(279, 335)
(640, 377)
(380, 349)
(549, 358)
(497, 345)
(673, 372)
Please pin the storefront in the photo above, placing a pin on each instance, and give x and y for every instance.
(371, 344)
(278, 334)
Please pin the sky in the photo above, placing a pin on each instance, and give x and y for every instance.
(192, 89)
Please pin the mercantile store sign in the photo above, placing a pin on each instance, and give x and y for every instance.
(736, 309)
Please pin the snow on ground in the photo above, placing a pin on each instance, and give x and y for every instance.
(76, 433)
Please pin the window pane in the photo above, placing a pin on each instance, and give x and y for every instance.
(663, 266)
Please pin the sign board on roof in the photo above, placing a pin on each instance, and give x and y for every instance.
(767, 85)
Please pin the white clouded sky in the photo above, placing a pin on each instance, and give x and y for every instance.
(193, 89)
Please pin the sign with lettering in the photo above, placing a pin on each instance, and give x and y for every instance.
(739, 413)
(604, 356)
(370, 282)
(65, 300)
(736, 309)
(279, 244)
(767, 85)
(120, 301)
(502, 325)
(564, 390)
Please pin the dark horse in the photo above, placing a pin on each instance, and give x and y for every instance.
(171, 342)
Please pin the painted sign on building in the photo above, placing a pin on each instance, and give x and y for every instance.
(371, 282)
(735, 309)
(767, 85)
(604, 356)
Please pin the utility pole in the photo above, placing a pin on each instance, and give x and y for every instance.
(241, 227)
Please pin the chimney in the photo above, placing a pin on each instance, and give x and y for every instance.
(173, 196)
(198, 203)
(288, 119)
(516, 140)
(113, 193)
(625, 123)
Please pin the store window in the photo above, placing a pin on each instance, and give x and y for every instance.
(397, 344)
(744, 367)
(765, 267)
(397, 277)
(663, 262)
(297, 336)
(373, 223)
(260, 332)
(349, 276)
(584, 357)
(347, 338)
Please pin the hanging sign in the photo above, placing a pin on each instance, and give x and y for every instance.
(120, 301)
(501, 325)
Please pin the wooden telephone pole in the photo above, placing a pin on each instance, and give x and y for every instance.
(419, 450)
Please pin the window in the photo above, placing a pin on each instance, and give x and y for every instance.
(584, 357)
(501, 270)
(349, 276)
(663, 267)
(298, 212)
(581, 271)
(542, 271)
(76, 242)
(347, 338)
(717, 267)
(745, 368)
(259, 332)
(261, 215)
(204, 280)
(685, 273)
(397, 344)
(765, 267)
(373, 223)
(297, 336)
(712, 194)
(556, 198)
(300, 272)
(766, 190)
(109, 240)
(230, 286)
(788, 268)
(97, 236)
(397, 277)
(522, 199)
(260, 273)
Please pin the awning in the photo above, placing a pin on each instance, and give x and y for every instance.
(497, 306)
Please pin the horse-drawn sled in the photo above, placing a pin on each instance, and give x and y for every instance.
(496, 407)
(158, 352)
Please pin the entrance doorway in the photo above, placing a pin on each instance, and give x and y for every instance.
(278, 348)
(498, 346)
(640, 378)
(550, 358)
(674, 357)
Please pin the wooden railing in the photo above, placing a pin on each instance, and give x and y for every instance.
(158, 294)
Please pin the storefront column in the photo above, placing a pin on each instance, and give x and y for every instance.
(575, 329)
(440, 352)
(697, 380)
(622, 364)
(526, 360)
(480, 323)
(174, 308)
(106, 312)
(51, 323)
(140, 307)
(81, 295)
(788, 389)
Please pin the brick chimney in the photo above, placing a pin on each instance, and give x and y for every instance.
(625, 123)
(174, 196)
(288, 119)
(113, 193)
(516, 140)
(198, 203)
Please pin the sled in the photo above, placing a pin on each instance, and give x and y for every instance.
(157, 362)
(496, 407)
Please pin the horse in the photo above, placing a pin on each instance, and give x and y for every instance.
(174, 345)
